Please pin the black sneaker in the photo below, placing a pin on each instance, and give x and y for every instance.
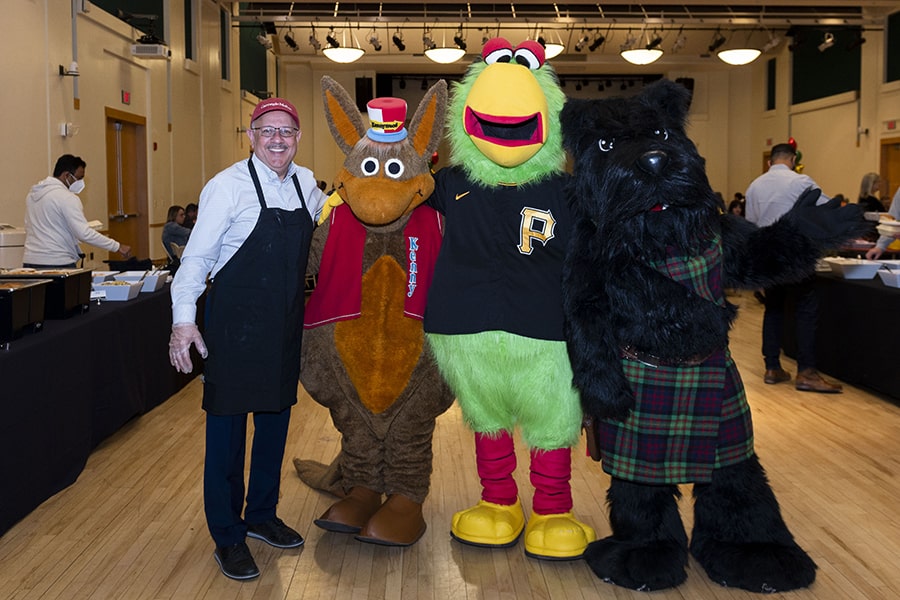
(236, 561)
(275, 533)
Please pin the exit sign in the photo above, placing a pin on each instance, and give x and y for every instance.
(126, 97)
(891, 125)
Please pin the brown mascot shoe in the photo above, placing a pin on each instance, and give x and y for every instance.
(398, 522)
(349, 514)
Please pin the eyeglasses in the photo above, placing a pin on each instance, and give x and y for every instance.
(268, 132)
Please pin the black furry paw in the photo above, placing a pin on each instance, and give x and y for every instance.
(764, 568)
(643, 567)
(615, 406)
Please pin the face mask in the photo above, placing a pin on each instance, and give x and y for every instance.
(77, 186)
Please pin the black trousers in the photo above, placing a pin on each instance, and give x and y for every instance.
(223, 472)
(806, 306)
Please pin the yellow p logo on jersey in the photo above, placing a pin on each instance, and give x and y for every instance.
(536, 225)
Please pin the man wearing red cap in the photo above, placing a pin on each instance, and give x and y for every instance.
(251, 239)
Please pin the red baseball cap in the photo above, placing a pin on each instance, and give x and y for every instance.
(270, 104)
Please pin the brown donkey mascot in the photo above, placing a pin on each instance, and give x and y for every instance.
(365, 356)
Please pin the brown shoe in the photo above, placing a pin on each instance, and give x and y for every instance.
(349, 514)
(398, 522)
(809, 380)
(776, 376)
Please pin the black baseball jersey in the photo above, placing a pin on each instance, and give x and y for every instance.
(500, 265)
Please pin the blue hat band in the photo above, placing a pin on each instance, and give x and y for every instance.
(380, 136)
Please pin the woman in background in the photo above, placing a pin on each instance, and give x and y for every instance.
(870, 185)
(174, 229)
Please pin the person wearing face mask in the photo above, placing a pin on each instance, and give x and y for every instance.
(55, 222)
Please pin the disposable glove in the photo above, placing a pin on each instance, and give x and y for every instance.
(183, 335)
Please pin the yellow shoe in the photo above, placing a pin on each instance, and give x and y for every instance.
(488, 524)
(557, 537)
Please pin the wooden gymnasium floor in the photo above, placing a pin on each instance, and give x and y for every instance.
(132, 526)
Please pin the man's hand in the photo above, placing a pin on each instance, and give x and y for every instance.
(183, 335)
(124, 250)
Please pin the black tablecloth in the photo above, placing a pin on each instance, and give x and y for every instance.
(858, 337)
(68, 387)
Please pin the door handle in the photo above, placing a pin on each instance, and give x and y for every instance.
(123, 216)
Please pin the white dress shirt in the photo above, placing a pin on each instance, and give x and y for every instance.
(775, 192)
(229, 210)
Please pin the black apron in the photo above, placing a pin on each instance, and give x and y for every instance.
(254, 314)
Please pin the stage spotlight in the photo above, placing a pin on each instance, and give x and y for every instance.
(717, 41)
(398, 41)
(459, 40)
(331, 40)
(376, 43)
(827, 42)
(584, 39)
(289, 40)
(598, 41)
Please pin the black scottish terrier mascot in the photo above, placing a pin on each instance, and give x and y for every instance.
(647, 331)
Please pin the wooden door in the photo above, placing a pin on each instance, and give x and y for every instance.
(126, 180)
(890, 168)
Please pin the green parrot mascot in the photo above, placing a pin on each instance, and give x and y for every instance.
(494, 316)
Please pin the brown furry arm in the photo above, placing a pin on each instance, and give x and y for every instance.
(316, 248)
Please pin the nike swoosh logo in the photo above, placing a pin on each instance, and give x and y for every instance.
(463, 195)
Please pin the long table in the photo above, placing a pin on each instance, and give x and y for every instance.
(858, 332)
(67, 388)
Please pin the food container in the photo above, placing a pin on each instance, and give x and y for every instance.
(853, 268)
(101, 276)
(889, 228)
(120, 291)
(890, 278)
(152, 280)
(22, 304)
(130, 275)
(68, 294)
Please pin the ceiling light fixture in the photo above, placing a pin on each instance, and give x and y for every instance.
(552, 48)
(398, 41)
(443, 55)
(340, 53)
(740, 56)
(640, 56)
(827, 42)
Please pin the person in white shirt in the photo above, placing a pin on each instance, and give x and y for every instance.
(55, 222)
(885, 240)
(768, 198)
(252, 238)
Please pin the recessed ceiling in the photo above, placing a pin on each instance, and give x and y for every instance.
(686, 31)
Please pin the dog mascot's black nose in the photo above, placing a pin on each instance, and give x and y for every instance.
(653, 162)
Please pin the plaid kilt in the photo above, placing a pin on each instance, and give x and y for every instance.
(687, 421)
